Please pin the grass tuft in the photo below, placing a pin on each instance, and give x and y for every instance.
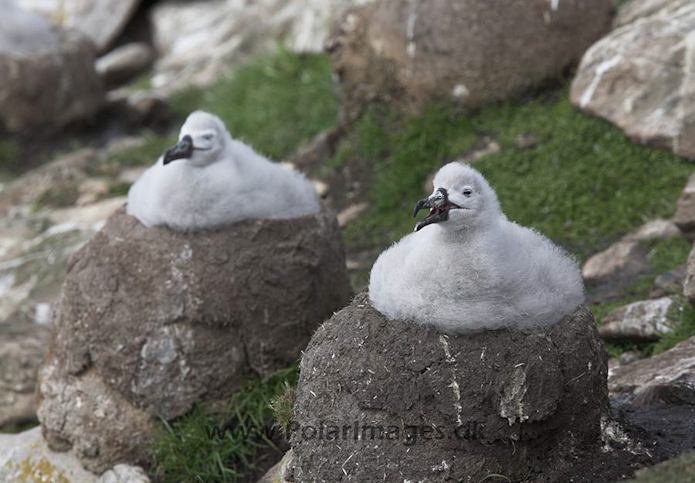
(202, 447)
(283, 407)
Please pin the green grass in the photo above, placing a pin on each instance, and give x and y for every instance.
(274, 103)
(202, 447)
(403, 151)
(10, 160)
(283, 407)
(583, 185)
(664, 255)
(685, 315)
(144, 155)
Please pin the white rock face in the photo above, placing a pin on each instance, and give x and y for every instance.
(641, 76)
(22, 31)
(124, 62)
(210, 180)
(199, 40)
(102, 21)
(124, 474)
(25, 457)
(468, 268)
(640, 321)
(640, 9)
(628, 256)
(666, 378)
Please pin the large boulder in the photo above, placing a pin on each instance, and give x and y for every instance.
(644, 321)
(101, 21)
(667, 378)
(151, 321)
(200, 41)
(641, 78)
(382, 400)
(474, 51)
(49, 88)
(634, 10)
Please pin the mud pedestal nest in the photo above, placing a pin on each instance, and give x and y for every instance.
(383, 400)
(151, 321)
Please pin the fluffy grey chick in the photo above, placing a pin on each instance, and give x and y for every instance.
(467, 268)
(209, 179)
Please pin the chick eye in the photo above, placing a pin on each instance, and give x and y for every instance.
(467, 192)
(208, 137)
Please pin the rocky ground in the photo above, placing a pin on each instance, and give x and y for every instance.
(616, 194)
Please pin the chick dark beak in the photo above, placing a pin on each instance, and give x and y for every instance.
(181, 150)
(438, 200)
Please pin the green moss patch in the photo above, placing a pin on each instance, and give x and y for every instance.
(582, 183)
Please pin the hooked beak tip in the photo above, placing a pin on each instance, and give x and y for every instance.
(420, 205)
(181, 150)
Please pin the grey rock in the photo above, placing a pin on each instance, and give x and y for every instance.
(492, 402)
(151, 321)
(124, 63)
(227, 32)
(472, 51)
(639, 321)
(684, 218)
(23, 31)
(689, 282)
(634, 10)
(26, 458)
(21, 352)
(101, 21)
(628, 357)
(666, 378)
(124, 474)
(639, 77)
(49, 88)
(142, 107)
(658, 229)
(623, 259)
(669, 283)
(281, 471)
